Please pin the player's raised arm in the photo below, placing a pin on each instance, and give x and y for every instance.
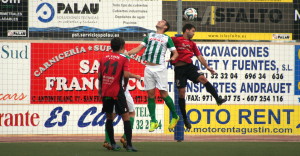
(136, 50)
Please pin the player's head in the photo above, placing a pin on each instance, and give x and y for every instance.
(189, 30)
(163, 24)
(117, 44)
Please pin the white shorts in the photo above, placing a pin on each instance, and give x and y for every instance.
(156, 77)
(129, 100)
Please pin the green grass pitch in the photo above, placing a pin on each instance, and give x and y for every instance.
(153, 149)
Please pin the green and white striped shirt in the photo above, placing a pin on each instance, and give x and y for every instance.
(156, 47)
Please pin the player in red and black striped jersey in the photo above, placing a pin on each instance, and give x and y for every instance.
(113, 67)
(184, 68)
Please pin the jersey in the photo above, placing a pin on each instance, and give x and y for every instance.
(112, 67)
(156, 47)
(186, 49)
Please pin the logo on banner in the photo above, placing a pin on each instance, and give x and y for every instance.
(16, 32)
(281, 36)
(46, 12)
(67, 12)
(215, 14)
(93, 8)
(8, 51)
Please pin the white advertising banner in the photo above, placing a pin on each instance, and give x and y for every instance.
(93, 18)
(69, 119)
(246, 74)
(15, 73)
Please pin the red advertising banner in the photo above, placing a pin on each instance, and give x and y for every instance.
(67, 73)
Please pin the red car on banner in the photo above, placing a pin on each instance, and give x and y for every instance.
(66, 73)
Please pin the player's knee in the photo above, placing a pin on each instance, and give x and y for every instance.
(132, 114)
(125, 116)
(181, 93)
(152, 96)
(151, 93)
(202, 79)
(163, 93)
(109, 116)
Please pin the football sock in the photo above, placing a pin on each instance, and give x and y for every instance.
(182, 108)
(171, 106)
(131, 124)
(211, 90)
(151, 107)
(106, 136)
(110, 130)
(128, 132)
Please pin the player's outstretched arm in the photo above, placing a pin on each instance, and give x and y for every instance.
(131, 75)
(136, 50)
(204, 63)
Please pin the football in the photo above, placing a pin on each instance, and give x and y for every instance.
(190, 14)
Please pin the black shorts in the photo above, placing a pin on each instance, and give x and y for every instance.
(119, 103)
(186, 72)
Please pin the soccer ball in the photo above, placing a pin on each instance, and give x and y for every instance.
(190, 14)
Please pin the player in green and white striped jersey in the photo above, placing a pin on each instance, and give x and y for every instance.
(156, 74)
(157, 45)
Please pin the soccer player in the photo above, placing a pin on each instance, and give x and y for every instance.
(130, 103)
(184, 69)
(113, 67)
(131, 109)
(155, 73)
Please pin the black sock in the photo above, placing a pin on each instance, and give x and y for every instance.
(182, 108)
(110, 130)
(211, 90)
(128, 132)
